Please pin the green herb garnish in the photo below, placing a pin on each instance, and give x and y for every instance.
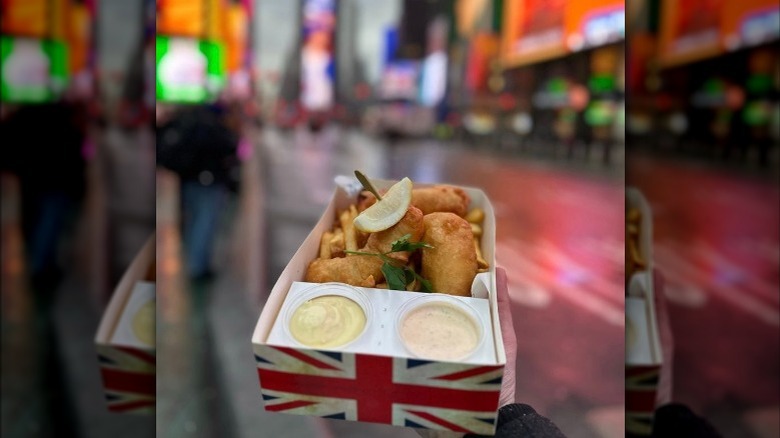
(403, 244)
(398, 277)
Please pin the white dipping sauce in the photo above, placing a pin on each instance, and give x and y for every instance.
(439, 331)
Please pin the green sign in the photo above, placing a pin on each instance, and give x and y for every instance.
(189, 70)
(557, 86)
(601, 84)
(33, 70)
(757, 113)
(600, 113)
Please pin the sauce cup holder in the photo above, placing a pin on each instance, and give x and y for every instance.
(322, 290)
(433, 300)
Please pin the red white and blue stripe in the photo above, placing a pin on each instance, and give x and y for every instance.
(378, 389)
(129, 378)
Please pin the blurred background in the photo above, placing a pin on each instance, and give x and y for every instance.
(78, 190)
(703, 135)
(254, 108)
(261, 104)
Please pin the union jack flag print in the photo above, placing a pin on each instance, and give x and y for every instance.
(129, 378)
(399, 391)
(641, 393)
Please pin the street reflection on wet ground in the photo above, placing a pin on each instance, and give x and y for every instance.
(51, 379)
(716, 243)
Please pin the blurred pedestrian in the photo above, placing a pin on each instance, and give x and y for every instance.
(199, 145)
(43, 148)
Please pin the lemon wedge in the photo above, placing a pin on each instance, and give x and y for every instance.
(388, 211)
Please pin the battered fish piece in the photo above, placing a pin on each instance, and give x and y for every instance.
(366, 271)
(434, 199)
(382, 241)
(361, 271)
(451, 264)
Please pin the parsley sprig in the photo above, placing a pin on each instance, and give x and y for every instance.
(398, 277)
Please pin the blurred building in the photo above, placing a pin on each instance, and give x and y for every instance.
(704, 78)
(346, 50)
(352, 89)
(204, 51)
(547, 74)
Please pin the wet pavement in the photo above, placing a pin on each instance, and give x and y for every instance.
(51, 381)
(716, 243)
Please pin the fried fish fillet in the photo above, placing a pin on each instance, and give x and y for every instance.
(361, 271)
(441, 198)
(382, 241)
(366, 271)
(451, 264)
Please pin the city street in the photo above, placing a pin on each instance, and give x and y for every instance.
(166, 160)
(558, 236)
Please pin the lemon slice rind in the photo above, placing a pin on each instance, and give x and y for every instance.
(387, 212)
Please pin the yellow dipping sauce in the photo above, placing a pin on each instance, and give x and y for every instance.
(144, 323)
(327, 321)
(439, 331)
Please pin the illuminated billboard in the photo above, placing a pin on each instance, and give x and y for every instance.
(693, 30)
(33, 70)
(189, 70)
(28, 18)
(236, 36)
(79, 36)
(748, 23)
(533, 31)
(433, 67)
(539, 30)
(484, 48)
(594, 23)
(690, 31)
(400, 80)
(317, 60)
(181, 18)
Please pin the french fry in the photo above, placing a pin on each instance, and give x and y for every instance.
(350, 236)
(634, 261)
(475, 216)
(476, 230)
(325, 252)
(481, 262)
(360, 236)
(337, 243)
(635, 254)
(633, 215)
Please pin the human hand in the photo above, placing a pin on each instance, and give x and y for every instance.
(510, 339)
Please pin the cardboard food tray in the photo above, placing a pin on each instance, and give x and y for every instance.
(643, 360)
(384, 388)
(126, 355)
